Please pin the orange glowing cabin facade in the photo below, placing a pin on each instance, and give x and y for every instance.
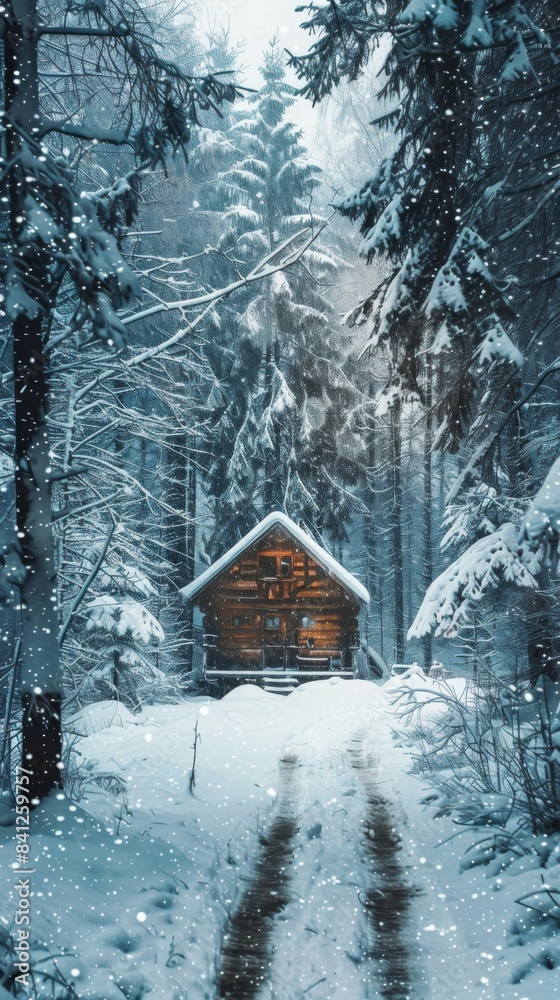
(278, 602)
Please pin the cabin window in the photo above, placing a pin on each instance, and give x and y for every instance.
(272, 621)
(285, 566)
(307, 622)
(267, 567)
(241, 621)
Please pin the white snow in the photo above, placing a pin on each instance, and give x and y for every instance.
(448, 289)
(517, 64)
(283, 400)
(497, 345)
(479, 32)
(482, 567)
(418, 11)
(543, 517)
(386, 399)
(446, 292)
(12, 572)
(446, 17)
(442, 339)
(124, 618)
(328, 562)
(241, 215)
(38, 222)
(133, 896)
(127, 578)
(395, 298)
(387, 229)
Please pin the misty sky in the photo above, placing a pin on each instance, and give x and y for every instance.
(255, 22)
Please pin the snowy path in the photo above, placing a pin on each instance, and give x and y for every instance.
(308, 797)
(338, 920)
(247, 944)
(389, 897)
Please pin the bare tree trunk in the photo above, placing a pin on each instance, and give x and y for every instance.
(39, 658)
(180, 530)
(39, 653)
(190, 547)
(373, 546)
(269, 470)
(396, 531)
(428, 562)
(116, 664)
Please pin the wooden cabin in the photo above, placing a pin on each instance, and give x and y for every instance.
(277, 602)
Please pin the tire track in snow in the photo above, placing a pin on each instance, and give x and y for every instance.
(246, 952)
(334, 890)
(340, 936)
(388, 899)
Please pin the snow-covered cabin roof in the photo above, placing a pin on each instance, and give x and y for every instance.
(328, 562)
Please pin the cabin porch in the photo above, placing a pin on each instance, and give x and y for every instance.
(276, 659)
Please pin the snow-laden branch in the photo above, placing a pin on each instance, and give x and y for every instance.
(122, 473)
(114, 136)
(264, 269)
(542, 521)
(492, 560)
(86, 585)
(474, 461)
(490, 441)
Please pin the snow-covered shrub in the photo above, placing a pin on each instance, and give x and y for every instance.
(44, 983)
(8, 970)
(492, 757)
(80, 777)
(118, 652)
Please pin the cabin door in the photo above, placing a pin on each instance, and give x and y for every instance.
(279, 639)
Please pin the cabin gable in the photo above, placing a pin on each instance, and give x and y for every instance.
(272, 604)
(275, 568)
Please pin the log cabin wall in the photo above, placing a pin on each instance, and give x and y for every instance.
(277, 607)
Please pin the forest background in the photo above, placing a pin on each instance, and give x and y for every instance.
(196, 345)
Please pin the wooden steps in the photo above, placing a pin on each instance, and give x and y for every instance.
(280, 684)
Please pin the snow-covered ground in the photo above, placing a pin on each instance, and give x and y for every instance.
(138, 896)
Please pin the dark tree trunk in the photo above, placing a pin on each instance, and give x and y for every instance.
(278, 498)
(39, 659)
(428, 562)
(373, 543)
(190, 549)
(396, 531)
(181, 533)
(39, 654)
(269, 470)
(116, 663)
(176, 499)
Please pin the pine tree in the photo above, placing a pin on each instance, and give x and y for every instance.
(120, 660)
(56, 244)
(268, 452)
(454, 193)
